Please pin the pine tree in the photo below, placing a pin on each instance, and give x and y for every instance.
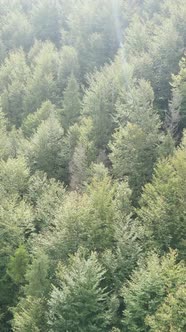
(14, 75)
(42, 84)
(79, 302)
(71, 103)
(48, 150)
(162, 206)
(135, 144)
(148, 290)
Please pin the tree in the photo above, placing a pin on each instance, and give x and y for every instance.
(46, 196)
(37, 277)
(149, 52)
(169, 60)
(17, 31)
(33, 120)
(85, 220)
(46, 20)
(4, 142)
(14, 176)
(29, 315)
(162, 206)
(18, 264)
(30, 312)
(78, 168)
(136, 38)
(83, 152)
(148, 289)
(122, 258)
(15, 220)
(79, 302)
(71, 103)
(48, 150)
(177, 107)
(14, 75)
(99, 101)
(171, 314)
(135, 144)
(42, 85)
(68, 65)
(95, 37)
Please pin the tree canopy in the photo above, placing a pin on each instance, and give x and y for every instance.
(92, 165)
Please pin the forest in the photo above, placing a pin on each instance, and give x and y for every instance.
(92, 165)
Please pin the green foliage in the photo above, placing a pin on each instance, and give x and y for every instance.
(100, 99)
(79, 302)
(169, 40)
(92, 95)
(71, 103)
(37, 276)
(33, 120)
(148, 289)
(177, 106)
(68, 65)
(14, 176)
(136, 143)
(83, 220)
(46, 21)
(42, 85)
(162, 209)
(48, 151)
(18, 264)
(4, 142)
(46, 196)
(30, 312)
(83, 152)
(171, 314)
(157, 49)
(16, 219)
(14, 75)
(29, 316)
(96, 37)
(17, 31)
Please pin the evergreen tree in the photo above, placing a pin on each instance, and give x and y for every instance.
(42, 84)
(46, 20)
(14, 75)
(100, 99)
(79, 302)
(136, 142)
(68, 65)
(17, 31)
(71, 103)
(177, 111)
(49, 151)
(162, 206)
(149, 289)
(33, 120)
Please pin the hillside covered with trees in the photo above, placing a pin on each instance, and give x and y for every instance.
(92, 166)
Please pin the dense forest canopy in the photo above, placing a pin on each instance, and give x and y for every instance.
(92, 165)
